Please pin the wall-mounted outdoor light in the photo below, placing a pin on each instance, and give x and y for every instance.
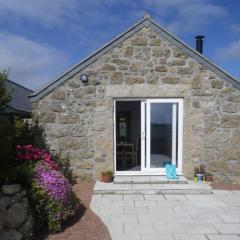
(84, 78)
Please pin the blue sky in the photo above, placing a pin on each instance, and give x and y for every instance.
(41, 39)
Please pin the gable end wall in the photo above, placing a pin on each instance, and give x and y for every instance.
(78, 118)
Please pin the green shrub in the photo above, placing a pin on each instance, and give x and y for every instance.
(5, 93)
(19, 173)
(64, 166)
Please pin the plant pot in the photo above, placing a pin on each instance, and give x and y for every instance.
(106, 177)
(200, 177)
(195, 179)
(209, 178)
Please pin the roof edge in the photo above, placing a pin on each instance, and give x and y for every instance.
(18, 84)
(17, 110)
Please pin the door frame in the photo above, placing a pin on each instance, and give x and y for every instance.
(145, 171)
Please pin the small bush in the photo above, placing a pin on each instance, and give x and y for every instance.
(54, 200)
(30, 154)
(21, 174)
(14, 131)
(52, 193)
(200, 170)
(64, 166)
(5, 93)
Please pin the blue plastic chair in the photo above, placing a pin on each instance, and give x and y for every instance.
(174, 171)
(169, 171)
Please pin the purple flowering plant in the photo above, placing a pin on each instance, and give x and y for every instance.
(52, 193)
(53, 183)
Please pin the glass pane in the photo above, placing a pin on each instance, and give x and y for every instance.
(161, 134)
(128, 135)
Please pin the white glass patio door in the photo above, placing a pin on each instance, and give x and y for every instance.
(161, 134)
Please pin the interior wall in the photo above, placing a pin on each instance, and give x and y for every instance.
(135, 108)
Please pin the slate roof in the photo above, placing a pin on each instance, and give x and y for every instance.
(147, 21)
(19, 98)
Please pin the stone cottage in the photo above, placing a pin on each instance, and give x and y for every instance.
(143, 100)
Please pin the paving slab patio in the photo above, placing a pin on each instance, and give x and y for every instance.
(213, 216)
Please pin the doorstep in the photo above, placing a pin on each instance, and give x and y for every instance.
(118, 179)
(152, 188)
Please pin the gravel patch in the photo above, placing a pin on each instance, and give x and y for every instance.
(87, 225)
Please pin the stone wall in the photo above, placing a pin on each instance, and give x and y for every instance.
(78, 118)
(16, 218)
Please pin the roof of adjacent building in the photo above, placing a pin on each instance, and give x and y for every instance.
(19, 102)
(147, 21)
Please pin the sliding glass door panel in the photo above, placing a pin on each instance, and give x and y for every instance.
(161, 134)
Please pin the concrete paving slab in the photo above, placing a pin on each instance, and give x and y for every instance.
(112, 197)
(200, 228)
(216, 192)
(133, 197)
(121, 179)
(211, 210)
(135, 209)
(97, 197)
(125, 237)
(179, 218)
(228, 197)
(236, 193)
(110, 210)
(231, 210)
(124, 218)
(139, 228)
(172, 203)
(175, 197)
(148, 179)
(209, 203)
(233, 203)
(154, 197)
(206, 218)
(165, 218)
(230, 218)
(160, 210)
(146, 203)
(188, 210)
(122, 203)
(171, 228)
(147, 218)
(228, 228)
(190, 237)
(203, 197)
(140, 179)
(223, 237)
(157, 237)
(115, 228)
(101, 186)
(142, 186)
